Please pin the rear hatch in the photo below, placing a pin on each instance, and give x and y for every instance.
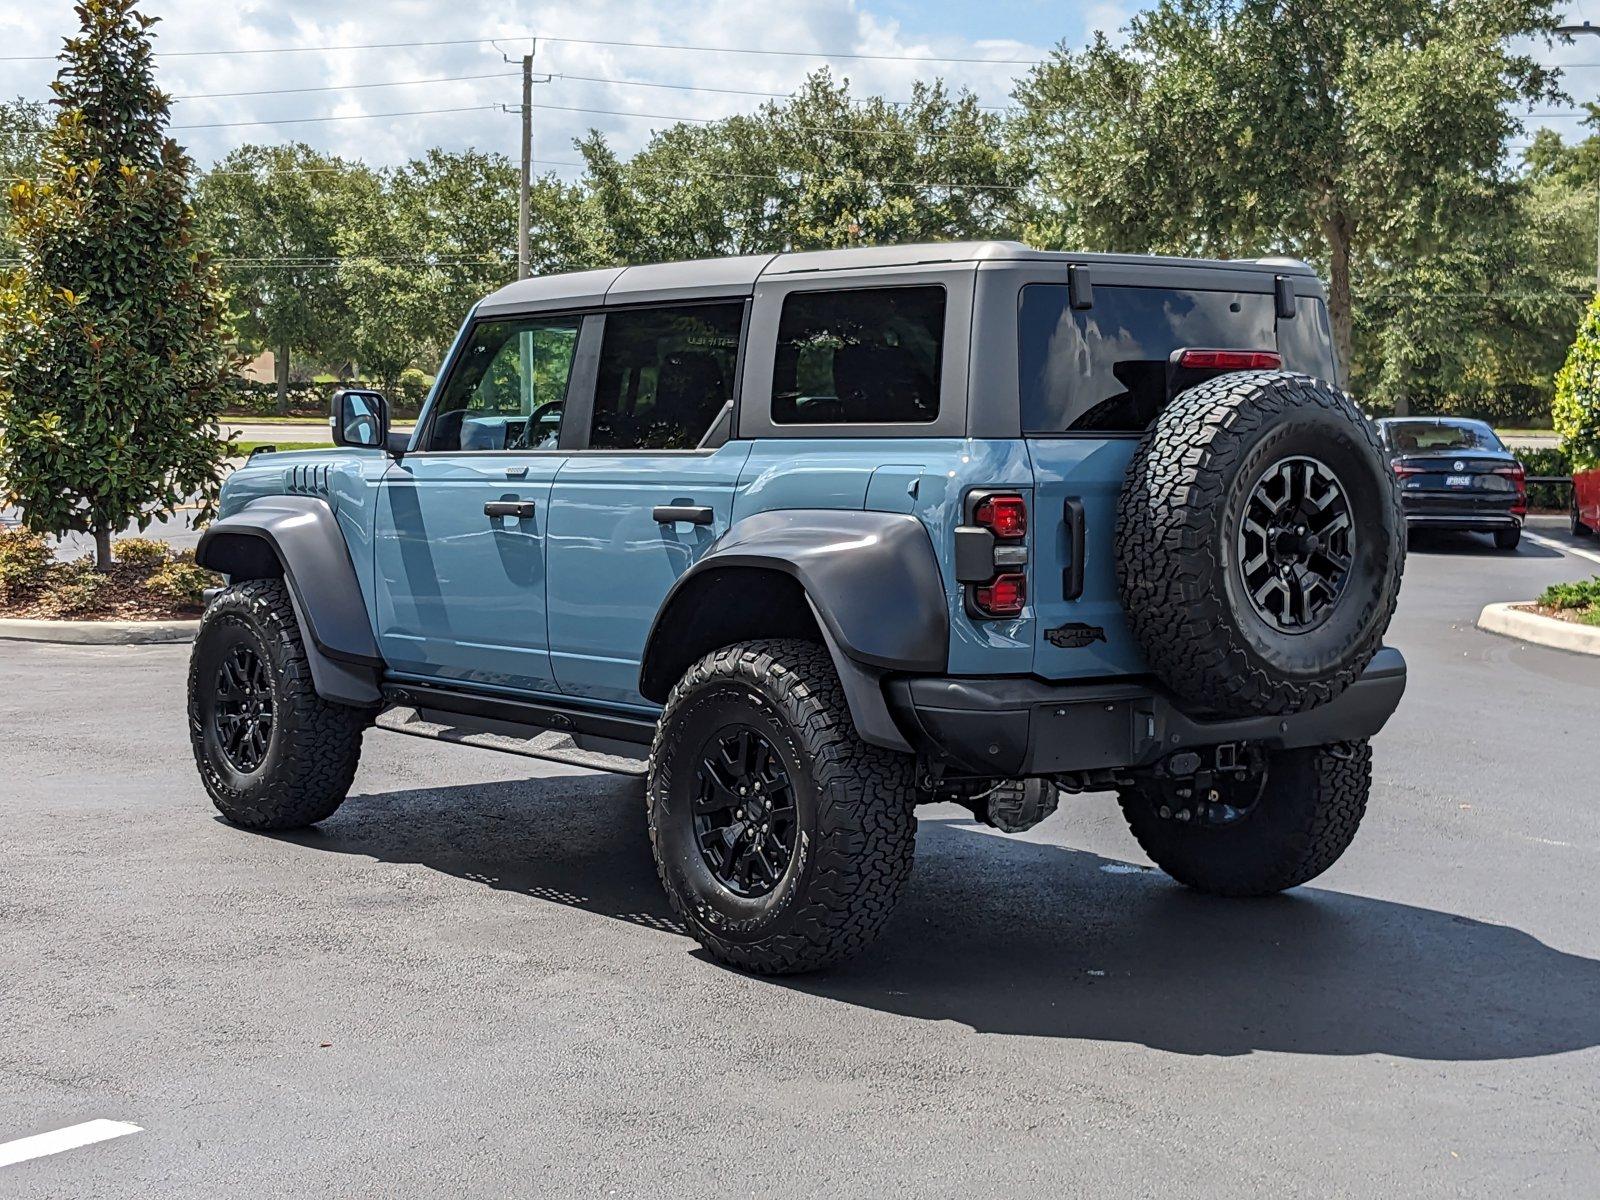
(1093, 377)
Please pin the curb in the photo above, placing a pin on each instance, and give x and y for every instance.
(1510, 621)
(97, 633)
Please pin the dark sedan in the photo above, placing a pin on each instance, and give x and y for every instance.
(1456, 474)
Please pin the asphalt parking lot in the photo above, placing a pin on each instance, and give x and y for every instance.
(467, 981)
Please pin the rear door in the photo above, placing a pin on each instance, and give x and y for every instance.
(1092, 378)
(650, 489)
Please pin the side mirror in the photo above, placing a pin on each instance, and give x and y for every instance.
(359, 418)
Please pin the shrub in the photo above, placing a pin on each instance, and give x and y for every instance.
(1576, 409)
(1564, 596)
(183, 580)
(73, 588)
(139, 552)
(1546, 461)
(25, 560)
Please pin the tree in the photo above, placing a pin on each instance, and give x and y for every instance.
(274, 213)
(112, 364)
(1357, 134)
(1577, 404)
(23, 124)
(818, 170)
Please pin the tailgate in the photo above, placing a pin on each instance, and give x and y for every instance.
(1086, 635)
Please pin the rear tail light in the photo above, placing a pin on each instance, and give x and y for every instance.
(1403, 469)
(1230, 360)
(1004, 596)
(1518, 475)
(992, 554)
(1004, 515)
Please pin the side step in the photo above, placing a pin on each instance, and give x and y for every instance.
(486, 733)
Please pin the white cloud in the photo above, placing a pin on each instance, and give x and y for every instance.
(804, 25)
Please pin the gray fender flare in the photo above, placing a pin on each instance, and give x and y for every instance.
(298, 539)
(872, 583)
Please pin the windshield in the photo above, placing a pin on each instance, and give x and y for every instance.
(1422, 437)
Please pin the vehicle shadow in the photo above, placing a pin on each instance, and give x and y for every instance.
(1015, 937)
(1458, 543)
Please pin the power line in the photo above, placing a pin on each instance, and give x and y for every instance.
(340, 87)
(841, 54)
(417, 112)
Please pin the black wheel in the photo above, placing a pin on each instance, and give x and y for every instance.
(272, 753)
(781, 838)
(1258, 835)
(1579, 529)
(1507, 539)
(1260, 543)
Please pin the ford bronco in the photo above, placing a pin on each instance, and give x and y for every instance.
(810, 539)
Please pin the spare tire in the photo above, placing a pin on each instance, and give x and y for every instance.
(1259, 543)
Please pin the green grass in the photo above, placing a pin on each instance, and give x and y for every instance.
(247, 447)
(312, 419)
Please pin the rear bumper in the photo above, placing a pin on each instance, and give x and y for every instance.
(1014, 726)
(1444, 510)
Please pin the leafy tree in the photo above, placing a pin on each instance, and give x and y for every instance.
(820, 169)
(112, 364)
(1356, 134)
(274, 213)
(1577, 404)
(23, 124)
(439, 234)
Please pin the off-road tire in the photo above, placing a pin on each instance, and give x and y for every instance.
(1507, 539)
(855, 825)
(314, 745)
(1178, 518)
(1305, 819)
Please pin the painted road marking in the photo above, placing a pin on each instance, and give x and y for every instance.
(1552, 544)
(70, 1138)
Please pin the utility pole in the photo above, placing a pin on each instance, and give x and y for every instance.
(524, 189)
(1570, 31)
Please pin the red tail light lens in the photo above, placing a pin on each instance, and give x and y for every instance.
(1005, 596)
(1518, 475)
(1005, 516)
(1231, 360)
(1404, 469)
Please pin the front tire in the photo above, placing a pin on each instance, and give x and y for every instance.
(781, 838)
(1257, 843)
(272, 753)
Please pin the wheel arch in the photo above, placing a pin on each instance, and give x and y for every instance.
(865, 585)
(298, 539)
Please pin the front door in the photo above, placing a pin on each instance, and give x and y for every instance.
(650, 492)
(460, 532)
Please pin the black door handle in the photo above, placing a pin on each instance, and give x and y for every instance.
(670, 514)
(508, 508)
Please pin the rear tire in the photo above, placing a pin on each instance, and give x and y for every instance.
(272, 753)
(814, 872)
(1507, 539)
(1306, 816)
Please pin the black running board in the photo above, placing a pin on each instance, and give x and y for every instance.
(486, 733)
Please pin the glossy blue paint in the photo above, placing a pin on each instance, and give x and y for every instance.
(610, 562)
(460, 594)
(1091, 469)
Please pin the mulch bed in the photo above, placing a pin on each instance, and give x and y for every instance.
(1573, 616)
(123, 597)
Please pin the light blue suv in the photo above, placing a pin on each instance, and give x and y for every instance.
(810, 539)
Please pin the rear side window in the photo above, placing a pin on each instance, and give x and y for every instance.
(664, 376)
(868, 356)
(1104, 368)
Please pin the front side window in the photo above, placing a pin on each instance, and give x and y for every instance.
(508, 388)
(1104, 368)
(869, 356)
(665, 376)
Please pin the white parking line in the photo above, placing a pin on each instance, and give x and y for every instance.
(1552, 544)
(70, 1138)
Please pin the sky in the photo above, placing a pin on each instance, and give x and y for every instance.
(396, 118)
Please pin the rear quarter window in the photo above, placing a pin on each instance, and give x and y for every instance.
(1104, 368)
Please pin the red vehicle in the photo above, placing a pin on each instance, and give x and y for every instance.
(1586, 502)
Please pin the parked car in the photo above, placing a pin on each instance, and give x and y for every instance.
(1456, 474)
(1586, 502)
(810, 539)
